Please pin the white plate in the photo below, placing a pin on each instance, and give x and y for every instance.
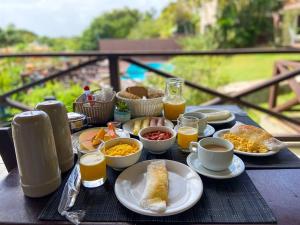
(235, 169)
(217, 122)
(128, 126)
(208, 131)
(185, 188)
(75, 136)
(220, 134)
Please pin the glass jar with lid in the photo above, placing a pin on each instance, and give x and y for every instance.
(173, 102)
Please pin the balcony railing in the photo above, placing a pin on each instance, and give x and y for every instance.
(115, 57)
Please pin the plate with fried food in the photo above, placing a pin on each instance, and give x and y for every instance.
(250, 140)
(135, 125)
(158, 188)
(89, 140)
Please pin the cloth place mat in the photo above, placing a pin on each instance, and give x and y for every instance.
(223, 201)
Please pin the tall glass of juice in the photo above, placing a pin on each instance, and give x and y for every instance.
(187, 131)
(92, 169)
(173, 102)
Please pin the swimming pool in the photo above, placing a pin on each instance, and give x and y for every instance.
(137, 73)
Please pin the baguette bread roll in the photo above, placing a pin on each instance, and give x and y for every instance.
(128, 95)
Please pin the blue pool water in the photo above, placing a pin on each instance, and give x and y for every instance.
(137, 73)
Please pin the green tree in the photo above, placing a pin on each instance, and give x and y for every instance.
(61, 44)
(180, 17)
(145, 28)
(114, 24)
(10, 36)
(245, 23)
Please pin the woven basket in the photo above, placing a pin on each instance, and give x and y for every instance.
(143, 107)
(99, 113)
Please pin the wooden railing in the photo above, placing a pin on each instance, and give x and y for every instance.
(115, 57)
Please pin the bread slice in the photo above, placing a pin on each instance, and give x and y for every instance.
(138, 90)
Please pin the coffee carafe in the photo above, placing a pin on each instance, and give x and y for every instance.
(62, 136)
(36, 154)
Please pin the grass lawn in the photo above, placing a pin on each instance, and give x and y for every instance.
(252, 67)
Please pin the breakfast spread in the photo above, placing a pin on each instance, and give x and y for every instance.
(146, 122)
(121, 150)
(91, 138)
(249, 138)
(155, 195)
(157, 135)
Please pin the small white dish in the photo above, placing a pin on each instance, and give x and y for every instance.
(220, 134)
(185, 188)
(236, 168)
(121, 162)
(208, 131)
(128, 126)
(157, 146)
(217, 122)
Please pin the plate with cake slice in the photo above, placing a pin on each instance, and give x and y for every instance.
(158, 188)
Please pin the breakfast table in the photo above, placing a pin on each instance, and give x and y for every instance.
(277, 183)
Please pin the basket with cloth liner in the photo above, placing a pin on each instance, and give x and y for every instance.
(98, 112)
(142, 101)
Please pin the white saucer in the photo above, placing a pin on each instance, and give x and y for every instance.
(235, 169)
(185, 188)
(208, 131)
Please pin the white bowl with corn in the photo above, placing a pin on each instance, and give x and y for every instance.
(121, 153)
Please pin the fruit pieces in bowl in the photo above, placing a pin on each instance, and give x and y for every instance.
(157, 140)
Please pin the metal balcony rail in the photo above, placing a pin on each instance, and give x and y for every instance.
(115, 57)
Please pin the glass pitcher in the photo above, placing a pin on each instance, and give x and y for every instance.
(173, 102)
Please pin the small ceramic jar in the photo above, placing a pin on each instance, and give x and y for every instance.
(121, 116)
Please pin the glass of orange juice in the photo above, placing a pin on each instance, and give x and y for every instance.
(92, 169)
(187, 131)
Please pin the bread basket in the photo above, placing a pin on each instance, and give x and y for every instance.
(143, 107)
(99, 112)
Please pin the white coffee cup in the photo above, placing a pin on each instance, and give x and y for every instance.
(216, 160)
(202, 120)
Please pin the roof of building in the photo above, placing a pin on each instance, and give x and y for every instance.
(138, 45)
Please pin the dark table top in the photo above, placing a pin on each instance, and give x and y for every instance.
(279, 187)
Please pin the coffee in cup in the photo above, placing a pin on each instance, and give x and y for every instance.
(213, 153)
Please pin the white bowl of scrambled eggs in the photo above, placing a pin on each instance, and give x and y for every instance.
(121, 153)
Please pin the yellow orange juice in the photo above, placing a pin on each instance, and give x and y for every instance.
(173, 109)
(185, 135)
(92, 168)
